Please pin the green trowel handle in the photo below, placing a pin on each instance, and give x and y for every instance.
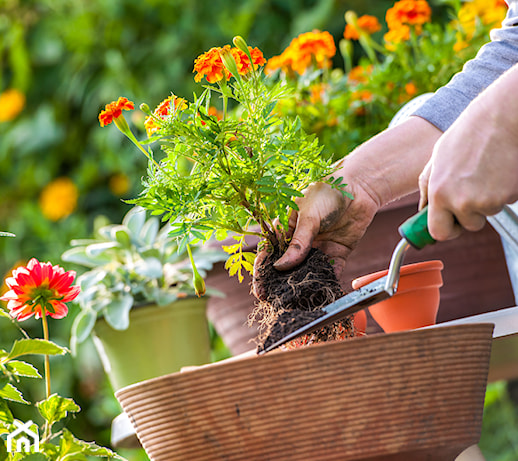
(415, 230)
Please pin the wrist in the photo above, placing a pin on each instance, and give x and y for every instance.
(387, 167)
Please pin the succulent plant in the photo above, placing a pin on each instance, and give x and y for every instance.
(133, 263)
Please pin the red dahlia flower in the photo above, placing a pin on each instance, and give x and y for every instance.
(39, 289)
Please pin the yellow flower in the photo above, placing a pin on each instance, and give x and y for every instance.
(395, 36)
(12, 102)
(58, 199)
(119, 184)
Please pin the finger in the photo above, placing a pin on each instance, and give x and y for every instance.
(300, 244)
(472, 222)
(424, 179)
(442, 224)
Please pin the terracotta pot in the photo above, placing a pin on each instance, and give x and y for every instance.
(414, 395)
(475, 275)
(416, 301)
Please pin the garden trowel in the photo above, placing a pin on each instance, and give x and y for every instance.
(415, 233)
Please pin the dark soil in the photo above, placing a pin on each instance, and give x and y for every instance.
(288, 300)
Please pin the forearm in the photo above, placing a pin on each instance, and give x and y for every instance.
(498, 105)
(388, 165)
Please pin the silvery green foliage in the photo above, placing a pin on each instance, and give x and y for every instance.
(135, 262)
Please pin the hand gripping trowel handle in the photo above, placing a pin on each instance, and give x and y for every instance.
(415, 233)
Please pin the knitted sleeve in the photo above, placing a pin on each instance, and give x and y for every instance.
(492, 60)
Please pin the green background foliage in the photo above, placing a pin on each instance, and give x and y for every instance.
(70, 58)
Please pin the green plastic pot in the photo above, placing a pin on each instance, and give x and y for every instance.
(160, 340)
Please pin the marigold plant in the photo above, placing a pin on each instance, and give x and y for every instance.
(238, 172)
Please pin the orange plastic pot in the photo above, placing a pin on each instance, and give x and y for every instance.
(416, 301)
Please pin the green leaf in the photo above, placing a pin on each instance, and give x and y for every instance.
(149, 231)
(71, 449)
(19, 368)
(150, 268)
(35, 346)
(121, 234)
(96, 250)
(117, 312)
(5, 314)
(9, 392)
(78, 256)
(83, 324)
(5, 413)
(56, 408)
(134, 220)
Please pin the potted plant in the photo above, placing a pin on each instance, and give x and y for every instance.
(236, 172)
(138, 300)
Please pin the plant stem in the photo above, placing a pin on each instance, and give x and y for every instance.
(47, 366)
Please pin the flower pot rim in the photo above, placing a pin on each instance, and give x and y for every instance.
(407, 269)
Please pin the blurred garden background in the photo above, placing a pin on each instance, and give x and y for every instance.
(62, 61)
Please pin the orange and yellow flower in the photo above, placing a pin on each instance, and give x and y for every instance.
(360, 74)
(168, 106)
(310, 48)
(396, 36)
(366, 24)
(39, 289)
(210, 65)
(12, 102)
(58, 199)
(477, 12)
(114, 109)
(409, 12)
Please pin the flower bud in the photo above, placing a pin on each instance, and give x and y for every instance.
(197, 280)
(145, 108)
(239, 42)
(351, 18)
(228, 61)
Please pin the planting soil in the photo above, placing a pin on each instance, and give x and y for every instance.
(288, 300)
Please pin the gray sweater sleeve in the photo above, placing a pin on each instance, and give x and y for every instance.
(492, 60)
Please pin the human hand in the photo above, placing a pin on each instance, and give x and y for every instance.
(473, 171)
(326, 220)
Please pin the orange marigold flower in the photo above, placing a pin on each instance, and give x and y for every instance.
(310, 48)
(283, 62)
(58, 199)
(395, 36)
(12, 103)
(360, 74)
(408, 12)
(114, 109)
(210, 66)
(168, 106)
(39, 289)
(242, 61)
(362, 95)
(411, 89)
(366, 23)
(318, 92)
